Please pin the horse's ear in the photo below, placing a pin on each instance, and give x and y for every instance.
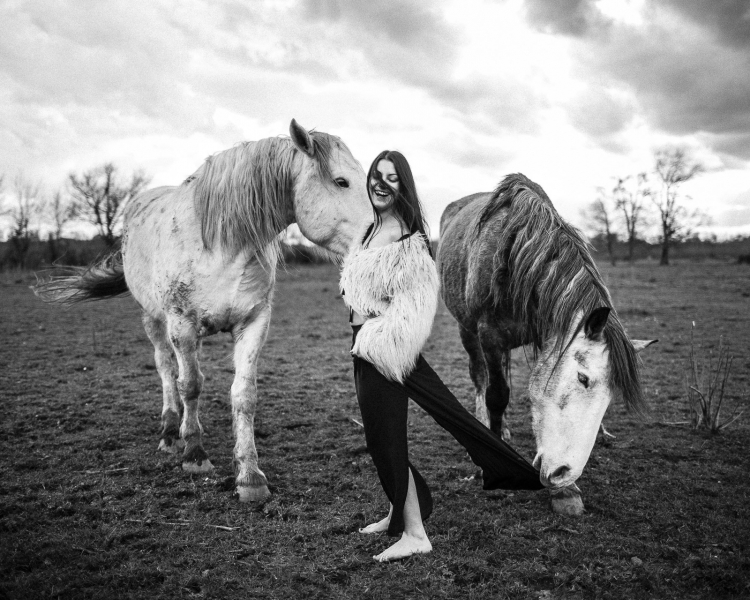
(642, 344)
(595, 323)
(301, 138)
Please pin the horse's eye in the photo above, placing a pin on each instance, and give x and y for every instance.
(342, 183)
(583, 379)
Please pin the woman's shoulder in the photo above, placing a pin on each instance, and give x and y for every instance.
(389, 233)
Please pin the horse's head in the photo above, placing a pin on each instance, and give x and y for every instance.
(571, 387)
(331, 205)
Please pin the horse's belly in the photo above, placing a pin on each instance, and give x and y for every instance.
(168, 269)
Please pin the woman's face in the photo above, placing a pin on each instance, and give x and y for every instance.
(384, 185)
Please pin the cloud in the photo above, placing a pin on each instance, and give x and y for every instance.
(116, 58)
(398, 42)
(683, 87)
(471, 151)
(680, 65)
(410, 43)
(568, 17)
(735, 215)
(601, 112)
(734, 145)
(729, 20)
(411, 24)
(682, 82)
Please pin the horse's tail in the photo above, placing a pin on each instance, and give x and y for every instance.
(71, 285)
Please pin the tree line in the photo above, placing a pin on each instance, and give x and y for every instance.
(97, 196)
(635, 201)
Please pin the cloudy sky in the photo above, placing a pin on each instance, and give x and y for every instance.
(569, 92)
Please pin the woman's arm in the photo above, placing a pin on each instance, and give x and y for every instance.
(392, 341)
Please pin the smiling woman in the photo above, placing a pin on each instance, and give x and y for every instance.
(393, 193)
(391, 286)
(385, 185)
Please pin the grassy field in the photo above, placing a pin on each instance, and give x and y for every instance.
(90, 509)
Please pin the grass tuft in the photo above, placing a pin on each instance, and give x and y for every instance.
(706, 388)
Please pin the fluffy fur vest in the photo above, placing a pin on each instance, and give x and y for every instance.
(396, 288)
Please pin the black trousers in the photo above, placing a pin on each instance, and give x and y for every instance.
(384, 405)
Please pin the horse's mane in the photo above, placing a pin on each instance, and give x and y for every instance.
(552, 278)
(243, 195)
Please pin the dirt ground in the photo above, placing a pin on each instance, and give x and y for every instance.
(90, 509)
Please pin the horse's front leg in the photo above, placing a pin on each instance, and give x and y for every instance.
(478, 373)
(567, 501)
(252, 485)
(186, 344)
(497, 361)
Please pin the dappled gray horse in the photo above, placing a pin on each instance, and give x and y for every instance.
(514, 273)
(201, 258)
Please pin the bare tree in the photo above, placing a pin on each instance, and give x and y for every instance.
(600, 216)
(27, 204)
(61, 210)
(629, 195)
(673, 167)
(100, 197)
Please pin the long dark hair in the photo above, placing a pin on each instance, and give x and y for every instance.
(406, 205)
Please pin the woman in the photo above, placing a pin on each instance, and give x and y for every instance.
(390, 283)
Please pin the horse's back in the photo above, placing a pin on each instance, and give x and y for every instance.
(144, 203)
(457, 254)
(159, 225)
(457, 206)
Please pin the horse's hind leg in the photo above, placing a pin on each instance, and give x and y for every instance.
(186, 343)
(167, 369)
(252, 485)
(497, 394)
(477, 371)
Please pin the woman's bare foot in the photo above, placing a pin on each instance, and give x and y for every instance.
(380, 526)
(406, 546)
(414, 539)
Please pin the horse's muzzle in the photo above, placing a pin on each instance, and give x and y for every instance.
(557, 476)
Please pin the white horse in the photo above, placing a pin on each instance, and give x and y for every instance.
(201, 258)
(513, 272)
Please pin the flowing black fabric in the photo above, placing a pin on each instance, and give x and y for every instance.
(384, 404)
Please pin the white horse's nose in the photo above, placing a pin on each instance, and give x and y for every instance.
(559, 475)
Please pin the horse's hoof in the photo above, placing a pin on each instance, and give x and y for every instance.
(253, 493)
(194, 467)
(569, 505)
(171, 447)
